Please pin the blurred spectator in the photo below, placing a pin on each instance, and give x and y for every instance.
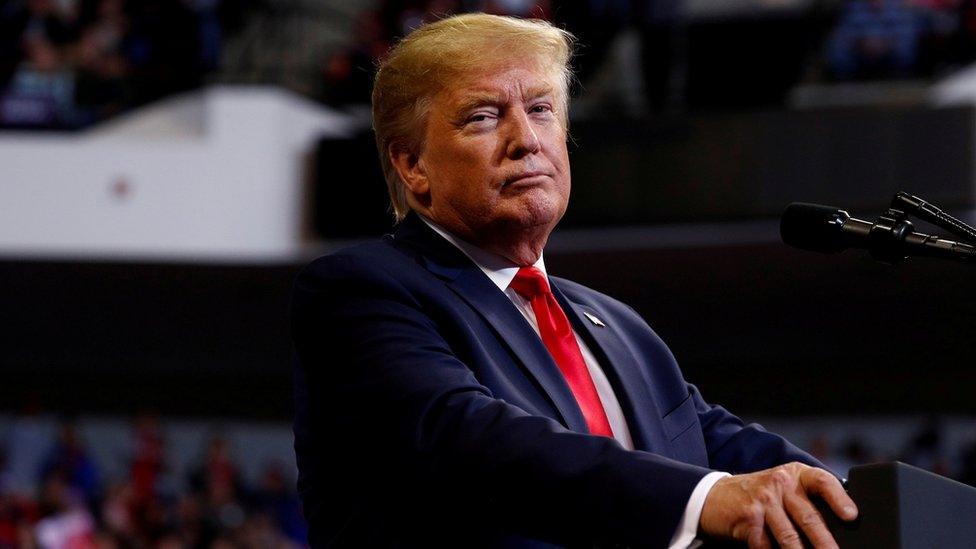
(147, 461)
(37, 35)
(926, 449)
(940, 27)
(348, 73)
(965, 39)
(596, 23)
(662, 29)
(659, 25)
(875, 39)
(17, 514)
(854, 451)
(216, 478)
(102, 60)
(165, 50)
(217, 483)
(68, 462)
(117, 513)
(280, 505)
(26, 439)
(70, 63)
(66, 523)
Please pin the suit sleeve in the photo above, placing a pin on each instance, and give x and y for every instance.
(736, 447)
(732, 445)
(381, 378)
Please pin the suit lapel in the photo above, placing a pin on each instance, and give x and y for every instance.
(630, 385)
(470, 283)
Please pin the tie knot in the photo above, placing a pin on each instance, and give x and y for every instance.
(529, 283)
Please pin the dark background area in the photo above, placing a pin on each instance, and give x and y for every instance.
(706, 168)
(760, 328)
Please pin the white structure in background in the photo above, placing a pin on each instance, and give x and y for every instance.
(959, 88)
(213, 175)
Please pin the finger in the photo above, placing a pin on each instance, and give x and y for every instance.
(826, 485)
(759, 539)
(811, 522)
(781, 527)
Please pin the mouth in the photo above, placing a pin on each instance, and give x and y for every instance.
(526, 178)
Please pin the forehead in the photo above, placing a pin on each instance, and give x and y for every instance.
(502, 83)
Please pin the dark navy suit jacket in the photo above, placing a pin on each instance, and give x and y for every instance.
(429, 413)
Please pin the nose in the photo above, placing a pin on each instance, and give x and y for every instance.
(522, 139)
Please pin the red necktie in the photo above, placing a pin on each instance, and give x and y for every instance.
(557, 335)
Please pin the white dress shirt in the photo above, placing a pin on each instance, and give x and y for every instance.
(501, 272)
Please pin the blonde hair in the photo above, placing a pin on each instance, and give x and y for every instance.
(428, 59)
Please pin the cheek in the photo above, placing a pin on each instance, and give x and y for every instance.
(560, 160)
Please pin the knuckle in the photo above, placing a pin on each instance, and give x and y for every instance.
(742, 532)
(794, 467)
(788, 537)
(810, 519)
(755, 515)
(759, 541)
(757, 537)
(782, 477)
(767, 497)
(824, 480)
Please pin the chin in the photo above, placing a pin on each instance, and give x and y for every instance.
(535, 217)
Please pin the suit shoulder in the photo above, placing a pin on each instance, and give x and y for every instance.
(588, 296)
(363, 261)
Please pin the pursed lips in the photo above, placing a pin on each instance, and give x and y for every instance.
(524, 176)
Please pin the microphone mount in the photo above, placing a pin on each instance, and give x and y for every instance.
(888, 236)
(933, 214)
(892, 229)
(890, 239)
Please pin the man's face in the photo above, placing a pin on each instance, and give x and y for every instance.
(494, 160)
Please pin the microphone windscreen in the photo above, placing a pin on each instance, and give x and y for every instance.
(814, 227)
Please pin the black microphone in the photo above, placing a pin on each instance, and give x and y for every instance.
(891, 239)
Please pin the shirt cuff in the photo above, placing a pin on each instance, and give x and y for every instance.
(684, 535)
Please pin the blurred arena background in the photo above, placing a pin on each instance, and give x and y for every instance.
(167, 166)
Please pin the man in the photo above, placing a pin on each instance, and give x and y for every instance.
(449, 393)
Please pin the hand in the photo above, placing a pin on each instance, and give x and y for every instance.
(750, 507)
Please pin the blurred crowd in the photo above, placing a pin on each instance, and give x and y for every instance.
(69, 502)
(861, 40)
(597, 23)
(900, 38)
(348, 73)
(929, 448)
(55, 494)
(68, 63)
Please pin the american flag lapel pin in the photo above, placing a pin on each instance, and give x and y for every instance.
(594, 319)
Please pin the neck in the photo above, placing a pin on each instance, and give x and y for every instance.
(520, 252)
(520, 245)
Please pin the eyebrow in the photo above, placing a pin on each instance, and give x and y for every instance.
(477, 99)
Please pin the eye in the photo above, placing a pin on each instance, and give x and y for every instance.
(541, 108)
(480, 119)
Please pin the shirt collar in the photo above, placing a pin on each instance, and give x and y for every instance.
(498, 269)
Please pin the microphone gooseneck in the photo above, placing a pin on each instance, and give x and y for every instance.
(890, 239)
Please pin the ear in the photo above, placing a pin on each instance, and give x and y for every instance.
(410, 169)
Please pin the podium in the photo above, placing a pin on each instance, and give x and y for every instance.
(904, 507)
